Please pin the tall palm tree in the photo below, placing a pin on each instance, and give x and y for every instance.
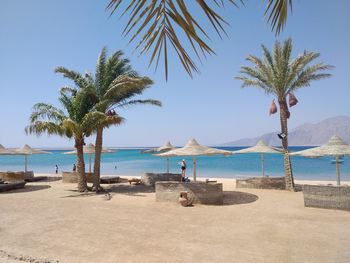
(114, 85)
(75, 121)
(159, 22)
(278, 74)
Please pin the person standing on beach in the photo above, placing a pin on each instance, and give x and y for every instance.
(183, 170)
(56, 169)
(74, 167)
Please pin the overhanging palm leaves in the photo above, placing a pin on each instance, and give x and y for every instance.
(158, 23)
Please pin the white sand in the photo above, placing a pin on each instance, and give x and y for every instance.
(51, 220)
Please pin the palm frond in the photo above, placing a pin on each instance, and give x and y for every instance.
(72, 126)
(308, 74)
(96, 119)
(279, 74)
(43, 111)
(40, 127)
(134, 102)
(154, 21)
(100, 69)
(277, 12)
(75, 76)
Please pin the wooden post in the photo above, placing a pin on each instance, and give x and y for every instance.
(262, 164)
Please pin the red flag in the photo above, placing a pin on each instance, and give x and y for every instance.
(273, 107)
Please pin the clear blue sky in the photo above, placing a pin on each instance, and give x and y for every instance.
(38, 35)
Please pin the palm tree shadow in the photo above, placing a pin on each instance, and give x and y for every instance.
(27, 188)
(238, 198)
(132, 190)
(111, 190)
(79, 194)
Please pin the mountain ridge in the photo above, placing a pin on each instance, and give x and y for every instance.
(306, 134)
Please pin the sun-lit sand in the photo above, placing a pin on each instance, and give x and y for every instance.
(50, 220)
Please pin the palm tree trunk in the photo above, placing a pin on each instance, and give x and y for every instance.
(284, 115)
(82, 184)
(97, 165)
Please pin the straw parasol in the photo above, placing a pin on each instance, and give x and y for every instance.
(166, 147)
(194, 149)
(334, 147)
(27, 150)
(5, 151)
(90, 149)
(261, 148)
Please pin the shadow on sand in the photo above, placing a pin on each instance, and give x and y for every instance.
(111, 190)
(238, 198)
(134, 190)
(27, 188)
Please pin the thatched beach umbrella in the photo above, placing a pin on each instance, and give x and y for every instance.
(5, 151)
(90, 149)
(334, 147)
(165, 148)
(261, 148)
(194, 149)
(27, 150)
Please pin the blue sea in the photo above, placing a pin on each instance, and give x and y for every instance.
(133, 162)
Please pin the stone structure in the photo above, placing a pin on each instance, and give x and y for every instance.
(12, 176)
(110, 180)
(28, 175)
(150, 179)
(262, 183)
(325, 196)
(198, 192)
(72, 177)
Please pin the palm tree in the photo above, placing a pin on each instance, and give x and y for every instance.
(114, 85)
(75, 121)
(159, 22)
(278, 74)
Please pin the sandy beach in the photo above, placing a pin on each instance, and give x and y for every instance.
(50, 220)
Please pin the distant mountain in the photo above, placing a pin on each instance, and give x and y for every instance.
(306, 134)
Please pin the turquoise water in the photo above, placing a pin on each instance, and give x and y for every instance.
(132, 162)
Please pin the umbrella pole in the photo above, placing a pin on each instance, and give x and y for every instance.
(90, 163)
(337, 169)
(167, 165)
(25, 163)
(194, 169)
(262, 164)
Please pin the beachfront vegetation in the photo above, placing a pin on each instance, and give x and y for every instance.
(75, 121)
(114, 85)
(279, 75)
(160, 22)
